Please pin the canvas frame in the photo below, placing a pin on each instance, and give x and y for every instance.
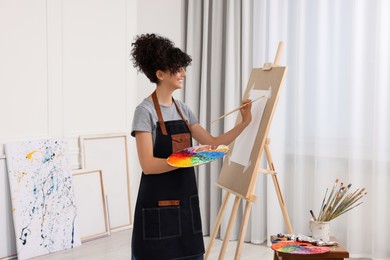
(93, 195)
(239, 179)
(93, 154)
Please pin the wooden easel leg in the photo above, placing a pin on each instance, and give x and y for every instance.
(217, 224)
(244, 226)
(282, 205)
(277, 187)
(229, 228)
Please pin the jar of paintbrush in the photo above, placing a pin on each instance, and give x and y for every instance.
(340, 200)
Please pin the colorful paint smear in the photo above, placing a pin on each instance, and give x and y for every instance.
(197, 155)
(299, 248)
(44, 210)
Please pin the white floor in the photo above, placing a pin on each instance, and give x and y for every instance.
(117, 246)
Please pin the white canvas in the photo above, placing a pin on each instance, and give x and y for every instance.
(44, 211)
(244, 142)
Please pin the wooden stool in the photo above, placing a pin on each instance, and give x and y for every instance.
(336, 252)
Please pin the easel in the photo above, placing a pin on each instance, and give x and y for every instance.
(250, 198)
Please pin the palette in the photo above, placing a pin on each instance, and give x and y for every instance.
(299, 248)
(197, 155)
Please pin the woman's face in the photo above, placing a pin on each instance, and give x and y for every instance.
(174, 80)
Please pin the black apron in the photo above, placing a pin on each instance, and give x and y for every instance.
(167, 223)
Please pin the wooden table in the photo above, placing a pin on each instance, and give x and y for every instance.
(336, 253)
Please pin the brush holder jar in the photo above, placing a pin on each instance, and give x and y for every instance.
(320, 230)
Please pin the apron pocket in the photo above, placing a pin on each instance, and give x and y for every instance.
(195, 213)
(180, 141)
(161, 223)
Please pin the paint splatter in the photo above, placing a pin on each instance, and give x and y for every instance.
(30, 155)
(197, 155)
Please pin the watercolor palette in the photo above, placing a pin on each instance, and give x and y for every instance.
(299, 248)
(197, 155)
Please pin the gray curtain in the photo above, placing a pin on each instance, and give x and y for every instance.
(219, 39)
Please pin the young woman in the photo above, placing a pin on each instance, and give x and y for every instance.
(167, 222)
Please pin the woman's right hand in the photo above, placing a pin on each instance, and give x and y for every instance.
(245, 110)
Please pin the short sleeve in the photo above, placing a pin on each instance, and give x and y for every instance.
(142, 121)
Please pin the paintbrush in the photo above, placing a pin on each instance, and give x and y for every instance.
(252, 101)
(312, 214)
(323, 203)
(344, 197)
(325, 210)
(351, 200)
(340, 201)
(337, 197)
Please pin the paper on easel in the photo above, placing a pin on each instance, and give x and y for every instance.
(245, 141)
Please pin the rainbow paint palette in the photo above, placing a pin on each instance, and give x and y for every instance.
(299, 248)
(197, 155)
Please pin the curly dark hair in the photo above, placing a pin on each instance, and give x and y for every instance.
(151, 52)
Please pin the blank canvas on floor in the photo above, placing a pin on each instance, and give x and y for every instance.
(109, 152)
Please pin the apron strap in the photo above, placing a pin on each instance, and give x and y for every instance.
(181, 114)
(159, 115)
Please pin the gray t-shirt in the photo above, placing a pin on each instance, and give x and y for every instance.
(145, 116)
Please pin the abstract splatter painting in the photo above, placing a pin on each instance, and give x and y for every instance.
(43, 207)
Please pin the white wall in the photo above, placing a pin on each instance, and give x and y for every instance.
(65, 68)
(65, 71)
(23, 69)
(165, 18)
